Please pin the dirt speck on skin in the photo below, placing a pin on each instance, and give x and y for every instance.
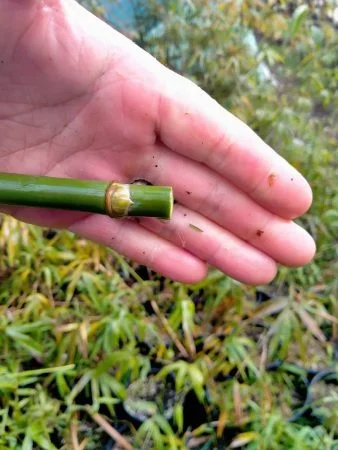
(259, 233)
(271, 179)
(195, 228)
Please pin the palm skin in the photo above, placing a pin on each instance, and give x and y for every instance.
(77, 99)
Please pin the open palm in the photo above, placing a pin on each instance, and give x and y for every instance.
(78, 99)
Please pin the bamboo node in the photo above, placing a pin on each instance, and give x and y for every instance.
(117, 200)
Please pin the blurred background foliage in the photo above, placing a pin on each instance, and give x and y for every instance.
(99, 353)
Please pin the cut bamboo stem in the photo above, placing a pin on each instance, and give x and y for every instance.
(100, 197)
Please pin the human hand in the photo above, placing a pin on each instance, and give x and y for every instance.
(78, 99)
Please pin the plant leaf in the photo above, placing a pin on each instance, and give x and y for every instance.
(243, 439)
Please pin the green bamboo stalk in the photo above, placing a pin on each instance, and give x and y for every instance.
(100, 197)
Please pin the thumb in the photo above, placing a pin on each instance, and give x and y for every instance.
(46, 44)
(15, 15)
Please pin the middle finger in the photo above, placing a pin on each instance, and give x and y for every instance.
(200, 189)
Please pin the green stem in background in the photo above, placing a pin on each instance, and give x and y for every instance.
(100, 197)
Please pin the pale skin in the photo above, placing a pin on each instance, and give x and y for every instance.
(78, 99)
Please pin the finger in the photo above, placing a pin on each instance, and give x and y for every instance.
(201, 190)
(44, 217)
(215, 245)
(191, 123)
(142, 246)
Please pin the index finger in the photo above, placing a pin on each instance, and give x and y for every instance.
(192, 123)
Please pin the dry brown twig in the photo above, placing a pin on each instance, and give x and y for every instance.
(109, 429)
(169, 330)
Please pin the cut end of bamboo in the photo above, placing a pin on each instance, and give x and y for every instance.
(170, 204)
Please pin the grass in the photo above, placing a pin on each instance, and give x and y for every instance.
(99, 353)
